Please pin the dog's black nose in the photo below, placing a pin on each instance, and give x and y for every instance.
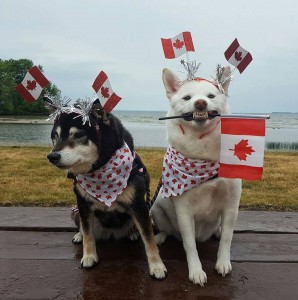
(201, 105)
(54, 157)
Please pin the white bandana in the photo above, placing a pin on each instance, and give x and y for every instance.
(180, 173)
(110, 180)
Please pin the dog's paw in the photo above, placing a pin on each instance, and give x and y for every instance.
(160, 238)
(223, 267)
(89, 261)
(77, 238)
(198, 277)
(158, 270)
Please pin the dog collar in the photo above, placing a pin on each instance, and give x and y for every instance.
(110, 180)
(180, 173)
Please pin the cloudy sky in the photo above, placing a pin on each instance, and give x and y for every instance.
(74, 40)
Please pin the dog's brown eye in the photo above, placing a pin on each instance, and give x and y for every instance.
(187, 97)
(211, 96)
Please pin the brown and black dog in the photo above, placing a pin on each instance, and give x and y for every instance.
(89, 152)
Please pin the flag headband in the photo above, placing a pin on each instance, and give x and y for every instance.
(86, 109)
(204, 79)
(99, 108)
(183, 44)
(56, 104)
(220, 78)
(34, 82)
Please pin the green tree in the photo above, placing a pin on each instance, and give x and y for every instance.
(12, 72)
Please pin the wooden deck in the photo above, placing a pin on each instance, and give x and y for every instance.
(38, 261)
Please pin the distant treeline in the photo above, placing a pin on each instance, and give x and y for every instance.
(12, 72)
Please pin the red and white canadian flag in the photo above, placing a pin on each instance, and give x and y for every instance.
(237, 56)
(242, 148)
(32, 85)
(177, 45)
(108, 99)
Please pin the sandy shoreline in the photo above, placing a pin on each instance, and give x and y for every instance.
(23, 120)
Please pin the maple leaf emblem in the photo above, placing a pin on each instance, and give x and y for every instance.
(238, 55)
(31, 85)
(178, 44)
(242, 150)
(105, 92)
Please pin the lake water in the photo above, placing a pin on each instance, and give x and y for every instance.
(145, 127)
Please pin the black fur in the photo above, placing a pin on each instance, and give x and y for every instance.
(129, 211)
(108, 139)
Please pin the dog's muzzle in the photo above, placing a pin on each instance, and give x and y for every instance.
(204, 115)
(201, 115)
(54, 157)
(195, 116)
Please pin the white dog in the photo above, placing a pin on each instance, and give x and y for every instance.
(208, 204)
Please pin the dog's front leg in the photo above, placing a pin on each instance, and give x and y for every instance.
(89, 246)
(223, 264)
(142, 221)
(187, 229)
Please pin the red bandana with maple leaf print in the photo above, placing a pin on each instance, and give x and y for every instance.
(110, 180)
(180, 173)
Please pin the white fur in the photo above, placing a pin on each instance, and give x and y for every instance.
(212, 207)
(77, 238)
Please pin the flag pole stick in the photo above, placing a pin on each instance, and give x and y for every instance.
(205, 116)
(187, 58)
(245, 116)
(233, 71)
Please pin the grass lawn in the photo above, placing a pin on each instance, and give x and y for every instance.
(27, 179)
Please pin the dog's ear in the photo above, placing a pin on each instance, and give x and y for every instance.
(227, 74)
(99, 113)
(170, 81)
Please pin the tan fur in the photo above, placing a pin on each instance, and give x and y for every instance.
(151, 249)
(126, 198)
(89, 247)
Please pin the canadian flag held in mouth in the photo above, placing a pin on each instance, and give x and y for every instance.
(237, 56)
(32, 85)
(108, 99)
(242, 148)
(178, 45)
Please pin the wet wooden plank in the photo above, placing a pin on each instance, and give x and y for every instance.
(36, 218)
(265, 247)
(58, 219)
(267, 221)
(36, 245)
(57, 245)
(62, 279)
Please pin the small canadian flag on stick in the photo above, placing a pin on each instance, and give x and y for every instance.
(108, 99)
(178, 45)
(237, 56)
(32, 85)
(242, 148)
